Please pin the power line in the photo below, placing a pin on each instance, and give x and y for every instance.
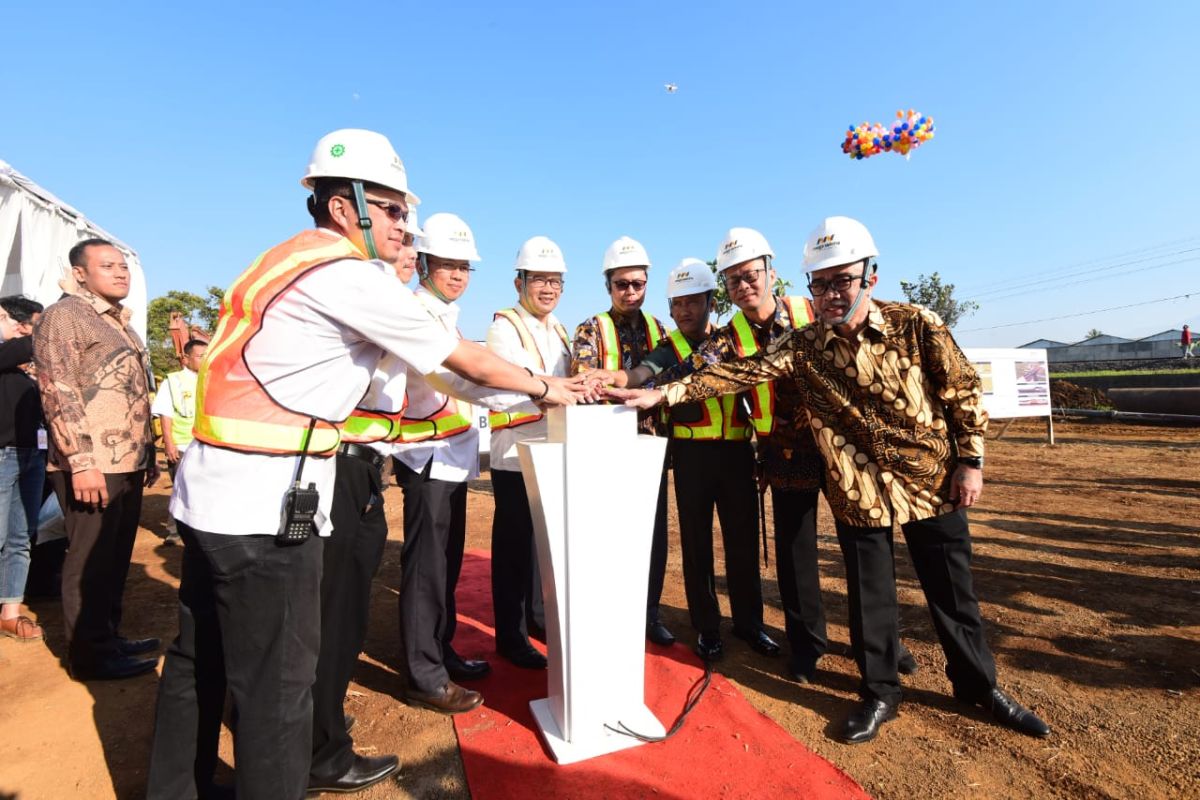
(1090, 271)
(1091, 277)
(1080, 314)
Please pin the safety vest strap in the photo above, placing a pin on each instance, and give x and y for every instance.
(762, 396)
(450, 421)
(610, 343)
(499, 420)
(719, 419)
(364, 427)
(526, 336)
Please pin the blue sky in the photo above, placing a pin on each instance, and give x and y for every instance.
(1065, 152)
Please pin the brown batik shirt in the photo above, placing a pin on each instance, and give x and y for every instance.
(891, 409)
(788, 457)
(587, 351)
(93, 379)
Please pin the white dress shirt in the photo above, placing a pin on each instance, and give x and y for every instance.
(456, 458)
(555, 359)
(316, 353)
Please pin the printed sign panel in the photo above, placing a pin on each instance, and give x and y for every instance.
(1016, 381)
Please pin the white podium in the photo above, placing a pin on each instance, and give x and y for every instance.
(593, 489)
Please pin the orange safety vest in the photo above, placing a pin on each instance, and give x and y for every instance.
(233, 410)
(365, 426)
(762, 396)
(720, 420)
(610, 344)
(451, 420)
(499, 420)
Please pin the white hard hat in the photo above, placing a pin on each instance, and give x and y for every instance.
(625, 252)
(690, 276)
(411, 225)
(837, 241)
(540, 254)
(358, 155)
(447, 236)
(741, 245)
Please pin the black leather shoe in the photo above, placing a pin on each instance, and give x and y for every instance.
(350, 720)
(759, 642)
(1008, 712)
(135, 647)
(864, 722)
(710, 647)
(659, 634)
(464, 669)
(365, 771)
(802, 672)
(450, 699)
(114, 668)
(526, 658)
(906, 664)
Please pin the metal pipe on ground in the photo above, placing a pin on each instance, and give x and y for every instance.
(1176, 400)
(1130, 416)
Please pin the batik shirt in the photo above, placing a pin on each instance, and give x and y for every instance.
(891, 408)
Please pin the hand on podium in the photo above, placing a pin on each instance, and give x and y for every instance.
(642, 399)
(566, 391)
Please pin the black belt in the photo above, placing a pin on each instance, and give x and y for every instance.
(372, 457)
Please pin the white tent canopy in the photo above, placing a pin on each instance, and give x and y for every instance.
(37, 230)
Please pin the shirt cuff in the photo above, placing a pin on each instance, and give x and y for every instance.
(81, 461)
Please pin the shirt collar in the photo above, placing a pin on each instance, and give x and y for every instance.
(102, 306)
(523, 312)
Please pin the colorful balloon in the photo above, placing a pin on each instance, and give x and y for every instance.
(907, 133)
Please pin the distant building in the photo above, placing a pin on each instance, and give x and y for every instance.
(1104, 347)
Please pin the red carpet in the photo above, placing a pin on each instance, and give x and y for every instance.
(726, 749)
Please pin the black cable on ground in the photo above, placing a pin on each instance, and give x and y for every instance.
(693, 698)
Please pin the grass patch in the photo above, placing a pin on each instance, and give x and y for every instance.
(1105, 373)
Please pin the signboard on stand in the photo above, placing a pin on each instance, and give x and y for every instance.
(1016, 383)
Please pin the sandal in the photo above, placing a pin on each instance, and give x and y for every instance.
(23, 629)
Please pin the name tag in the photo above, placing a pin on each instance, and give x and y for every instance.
(43, 441)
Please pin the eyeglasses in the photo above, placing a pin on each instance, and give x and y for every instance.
(394, 211)
(749, 278)
(840, 284)
(623, 285)
(541, 280)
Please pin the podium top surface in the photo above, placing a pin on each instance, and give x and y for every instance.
(601, 424)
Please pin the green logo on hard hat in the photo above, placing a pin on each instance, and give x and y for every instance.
(337, 150)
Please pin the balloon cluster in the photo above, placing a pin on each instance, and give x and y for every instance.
(909, 131)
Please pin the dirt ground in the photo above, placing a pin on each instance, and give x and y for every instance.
(1087, 563)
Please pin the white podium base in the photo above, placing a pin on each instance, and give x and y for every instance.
(598, 742)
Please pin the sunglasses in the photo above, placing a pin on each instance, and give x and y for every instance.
(394, 211)
(624, 285)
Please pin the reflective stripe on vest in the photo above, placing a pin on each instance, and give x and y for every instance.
(454, 418)
(610, 344)
(364, 426)
(719, 421)
(182, 386)
(499, 420)
(762, 396)
(233, 410)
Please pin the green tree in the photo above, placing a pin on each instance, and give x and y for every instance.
(725, 305)
(196, 310)
(1093, 333)
(930, 292)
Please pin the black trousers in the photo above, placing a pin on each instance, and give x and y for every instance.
(512, 559)
(252, 607)
(658, 553)
(799, 574)
(352, 554)
(940, 548)
(719, 473)
(435, 531)
(97, 563)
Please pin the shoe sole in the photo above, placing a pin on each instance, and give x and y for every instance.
(359, 788)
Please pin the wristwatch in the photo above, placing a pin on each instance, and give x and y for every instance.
(975, 462)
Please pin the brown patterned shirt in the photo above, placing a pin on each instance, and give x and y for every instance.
(788, 457)
(891, 409)
(635, 346)
(92, 376)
